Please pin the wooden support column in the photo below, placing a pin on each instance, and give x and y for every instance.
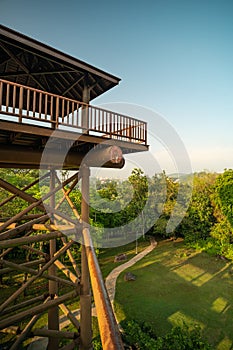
(85, 296)
(53, 313)
(85, 109)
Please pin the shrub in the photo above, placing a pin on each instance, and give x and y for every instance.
(143, 337)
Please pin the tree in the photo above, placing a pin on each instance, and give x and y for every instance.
(200, 218)
(222, 231)
(139, 181)
(224, 191)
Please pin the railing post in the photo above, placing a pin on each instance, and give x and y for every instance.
(85, 295)
(1, 89)
(145, 133)
(20, 104)
(57, 112)
(85, 108)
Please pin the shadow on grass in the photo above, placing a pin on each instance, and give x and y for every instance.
(174, 286)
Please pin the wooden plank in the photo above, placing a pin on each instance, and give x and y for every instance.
(22, 194)
(57, 112)
(70, 315)
(34, 104)
(63, 110)
(33, 205)
(7, 96)
(24, 304)
(46, 107)
(16, 242)
(24, 189)
(36, 309)
(28, 102)
(1, 91)
(31, 271)
(27, 264)
(14, 98)
(71, 346)
(51, 110)
(40, 104)
(26, 330)
(51, 227)
(15, 295)
(53, 333)
(11, 330)
(21, 90)
(21, 228)
(67, 272)
(70, 135)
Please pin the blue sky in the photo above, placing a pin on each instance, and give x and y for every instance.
(174, 58)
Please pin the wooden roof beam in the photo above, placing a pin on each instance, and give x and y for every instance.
(17, 39)
(71, 86)
(15, 74)
(21, 64)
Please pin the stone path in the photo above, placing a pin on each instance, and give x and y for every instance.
(41, 343)
(112, 277)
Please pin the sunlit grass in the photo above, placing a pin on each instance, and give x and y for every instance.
(179, 319)
(174, 285)
(193, 274)
(220, 305)
(225, 344)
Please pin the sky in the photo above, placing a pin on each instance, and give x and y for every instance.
(174, 58)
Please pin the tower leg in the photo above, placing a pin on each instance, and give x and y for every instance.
(53, 313)
(85, 297)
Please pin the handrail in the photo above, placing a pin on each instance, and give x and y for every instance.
(109, 330)
(56, 111)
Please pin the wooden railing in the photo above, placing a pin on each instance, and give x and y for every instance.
(56, 111)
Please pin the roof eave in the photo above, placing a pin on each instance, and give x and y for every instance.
(49, 51)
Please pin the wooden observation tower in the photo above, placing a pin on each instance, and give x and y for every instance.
(47, 122)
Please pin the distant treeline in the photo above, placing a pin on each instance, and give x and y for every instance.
(146, 205)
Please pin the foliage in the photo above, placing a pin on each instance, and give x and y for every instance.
(146, 205)
(199, 218)
(142, 337)
(224, 190)
(180, 338)
(135, 336)
(97, 345)
(19, 178)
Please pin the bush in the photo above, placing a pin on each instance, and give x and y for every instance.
(143, 337)
(97, 344)
(182, 338)
(137, 338)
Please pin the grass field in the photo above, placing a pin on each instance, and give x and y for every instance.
(175, 285)
(107, 255)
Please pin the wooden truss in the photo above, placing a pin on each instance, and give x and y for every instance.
(50, 280)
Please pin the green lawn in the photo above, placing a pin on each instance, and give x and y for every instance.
(106, 255)
(174, 285)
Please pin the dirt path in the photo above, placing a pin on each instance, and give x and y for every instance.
(112, 277)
